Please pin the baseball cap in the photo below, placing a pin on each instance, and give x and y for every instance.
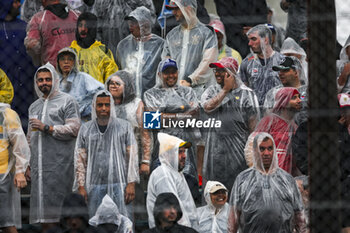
(166, 64)
(344, 100)
(217, 186)
(286, 64)
(226, 62)
(171, 6)
(185, 145)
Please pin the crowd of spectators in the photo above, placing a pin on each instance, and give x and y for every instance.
(79, 78)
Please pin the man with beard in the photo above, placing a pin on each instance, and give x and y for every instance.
(170, 98)
(106, 160)
(256, 69)
(265, 198)
(168, 177)
(49, 31)
(54, 124)
(281, 125)
(236, 106)
(94, 57)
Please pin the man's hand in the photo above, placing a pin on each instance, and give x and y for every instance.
(144, 169)
(33, 44)
(229, 83)
(83, 192)
(129, 193)
(185, 83)
(36, 124)
(20, 181)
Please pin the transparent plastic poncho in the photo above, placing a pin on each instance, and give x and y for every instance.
(260, 78)
(80, 85)
(14, 159)
(193, 48)
(166, 178)
(207, 219)
(176, 99)
(131, 109)
(289, 48)
(52, 154)
(105, 162)
(344, 59)
(108, 213)
(224, 148)
(263, 200)
(112, 27)
(141, 56)
(281, 126)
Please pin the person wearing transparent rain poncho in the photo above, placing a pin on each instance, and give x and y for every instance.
(290, 73)
(213, 216)
(281, 125)
(264, 198)
(53, 125)
(139, 53)
(343, 69)
(112, 27)
(80, 85)
(291, 48)
(168, 177)
(105, 157)
(256, 69)
(192, 45)
(14, 159)
(170, 98)
(108, 219)
(238, 109)
(130, 108)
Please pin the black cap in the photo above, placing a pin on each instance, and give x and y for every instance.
(286, 64)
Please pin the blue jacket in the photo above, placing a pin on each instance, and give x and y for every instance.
(15, 62)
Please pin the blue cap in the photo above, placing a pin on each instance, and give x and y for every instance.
(166, 64)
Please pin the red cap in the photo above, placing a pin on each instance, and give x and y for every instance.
(226, 62)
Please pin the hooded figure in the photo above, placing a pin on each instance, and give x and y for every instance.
(192, 45)
(256, 69)
(80, 85)
(343, 68)
(130, 108)
(14, 60)
(212, 219)
(238, 111)
(281, 125)
(167, 212)
(49, 31)
(224, 49)
(94, 57)
(51, 150)
(291, 48)
(168, 178)
(112, 27)
(297, 18)
(265, 198)
(6, 92)
(140, 54)
(105, 157)
(14, 160)
(108, 213)
(175, 99)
